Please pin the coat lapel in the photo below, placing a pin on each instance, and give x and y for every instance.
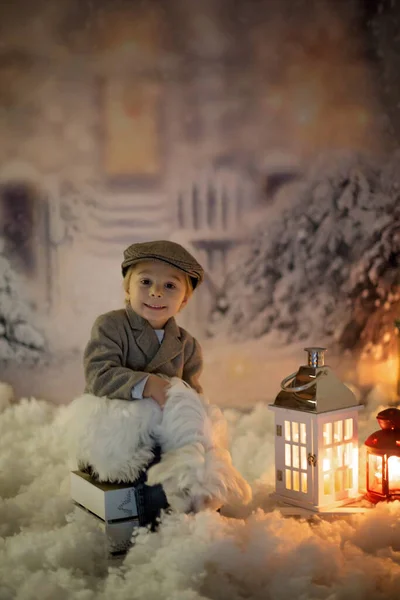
(170, 347)
(146, 338)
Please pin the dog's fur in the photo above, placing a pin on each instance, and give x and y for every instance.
(195, 470)
(116, 439)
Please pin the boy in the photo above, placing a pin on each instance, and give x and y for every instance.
(131, 355)
(129, 348)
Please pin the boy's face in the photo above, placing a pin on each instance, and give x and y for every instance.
(157, 291)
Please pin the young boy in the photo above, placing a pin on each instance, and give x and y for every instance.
(131, 355)
(129, 348)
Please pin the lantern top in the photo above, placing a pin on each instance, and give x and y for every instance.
(384, 441)
(389, 419)
(316, 356)
(315, 387)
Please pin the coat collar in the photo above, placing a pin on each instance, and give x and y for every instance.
(147, 340)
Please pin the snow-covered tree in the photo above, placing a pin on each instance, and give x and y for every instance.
(374, 293)
(20, 341)
(328, 266)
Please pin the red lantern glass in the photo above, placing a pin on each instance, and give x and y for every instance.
(383, 458)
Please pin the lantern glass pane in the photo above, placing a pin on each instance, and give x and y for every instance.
(327, 460)
(304, 483)
(338, 481)
(296, 481)
(287, 431)
(328, 487)
(338, 431)
(295, 432)
(303, 435)
(348, 429)
(288, 456)
(348, 479)
(288, 479)
(303, 457)
(327, 434)
(394, 473)
(348, 455)
(338, 455)
(296, 457)
(375, 473)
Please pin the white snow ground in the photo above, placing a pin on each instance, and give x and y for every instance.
(51, 550)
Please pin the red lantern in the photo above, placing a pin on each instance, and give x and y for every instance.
(383, 458)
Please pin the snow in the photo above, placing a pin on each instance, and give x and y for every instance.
(20, 340)
(324, 263)
(49, 549)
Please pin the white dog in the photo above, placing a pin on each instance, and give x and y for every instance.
(196, 469)
(116, 438)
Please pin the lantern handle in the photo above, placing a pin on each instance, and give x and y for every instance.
(300, 388)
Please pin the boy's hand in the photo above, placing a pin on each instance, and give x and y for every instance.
(156, 388)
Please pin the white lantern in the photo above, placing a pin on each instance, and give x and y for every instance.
(316, 438)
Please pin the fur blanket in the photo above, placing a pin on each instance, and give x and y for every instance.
(117, 439)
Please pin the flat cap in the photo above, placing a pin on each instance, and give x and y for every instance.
(169, 252)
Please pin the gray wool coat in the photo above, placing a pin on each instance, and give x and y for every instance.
(123, 348)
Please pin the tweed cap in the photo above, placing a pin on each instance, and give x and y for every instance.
(169, 252)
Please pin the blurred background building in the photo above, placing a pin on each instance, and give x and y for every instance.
(127, 121)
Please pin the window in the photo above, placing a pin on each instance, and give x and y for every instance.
(337, 452)
(296, 456)
(375, 471)
(394, 473)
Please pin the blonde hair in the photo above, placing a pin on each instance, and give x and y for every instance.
(127, 279)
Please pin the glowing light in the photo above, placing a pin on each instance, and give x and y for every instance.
(326, 465)
(239, 368)
(394, 472)
(348, 429)
(355, 470)
(385, 372)
(375, 476)
(338, 431)
(327, 434)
